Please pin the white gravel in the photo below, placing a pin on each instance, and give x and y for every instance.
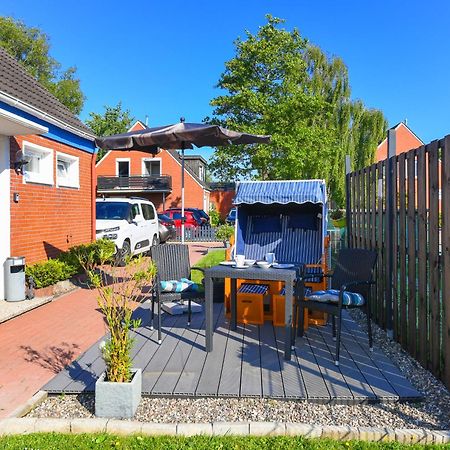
(432, 413)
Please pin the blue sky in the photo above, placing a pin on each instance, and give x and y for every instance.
(163, 59)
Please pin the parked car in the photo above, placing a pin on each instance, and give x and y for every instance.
(167, 229)
(132, 223)
(199, 214)
(192, 219)
(231, 218)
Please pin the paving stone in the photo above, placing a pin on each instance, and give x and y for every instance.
(52, 425)
(123, 427)
(96, 425)
(16, 426)
(302, 429)
(231, 428)
(267, 428)
(193, 429)
(159, 429)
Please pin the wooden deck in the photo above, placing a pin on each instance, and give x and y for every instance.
(249, 362)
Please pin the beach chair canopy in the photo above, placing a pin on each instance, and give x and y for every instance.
(288, 218)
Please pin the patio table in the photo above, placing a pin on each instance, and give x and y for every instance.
(288, 276)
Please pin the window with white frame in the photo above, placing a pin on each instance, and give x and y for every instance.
(67, 170)
(151, 166)
(39, 167)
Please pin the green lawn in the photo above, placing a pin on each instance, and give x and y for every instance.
(49, 441)
(211, 259)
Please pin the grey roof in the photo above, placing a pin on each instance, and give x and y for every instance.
(176, 155)
(17, 83)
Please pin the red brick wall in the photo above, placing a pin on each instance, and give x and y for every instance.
(169, 166)
(47, 219)
(223, 201)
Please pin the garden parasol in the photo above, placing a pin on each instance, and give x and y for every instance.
(179, 136)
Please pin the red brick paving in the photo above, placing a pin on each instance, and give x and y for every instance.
(38, 344)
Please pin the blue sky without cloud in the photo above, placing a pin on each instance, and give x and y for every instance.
(163, 59)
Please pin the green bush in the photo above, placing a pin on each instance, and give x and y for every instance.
(214, 217)
(224, 232)
(50, 272)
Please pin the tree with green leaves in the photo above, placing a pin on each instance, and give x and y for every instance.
(280, 84)
(30, 46)
(113, 121)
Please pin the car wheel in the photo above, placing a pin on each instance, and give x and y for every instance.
(155, 240)
(124, 253)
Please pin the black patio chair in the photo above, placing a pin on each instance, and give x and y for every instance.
(172, 263)
(353, 273)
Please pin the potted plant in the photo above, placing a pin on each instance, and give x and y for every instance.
(118, 390)
(338, 218)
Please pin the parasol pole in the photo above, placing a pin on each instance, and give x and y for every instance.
(182, 187)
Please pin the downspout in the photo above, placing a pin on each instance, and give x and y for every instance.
(93, 195)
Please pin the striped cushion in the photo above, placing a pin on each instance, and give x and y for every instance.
(308, 291)
(182, 285)
(332, 296)
(249, 288)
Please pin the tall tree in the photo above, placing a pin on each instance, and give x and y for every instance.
(113, 121)
(30, 46)
(280, 84)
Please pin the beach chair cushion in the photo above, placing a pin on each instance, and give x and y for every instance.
(266, 224)
(250, 288)
(332, 296)
(183, 285)
(305, 221)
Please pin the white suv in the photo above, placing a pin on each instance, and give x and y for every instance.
(132, 223)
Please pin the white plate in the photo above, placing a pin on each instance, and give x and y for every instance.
(227, 263)
(245, 266)
(283, 266)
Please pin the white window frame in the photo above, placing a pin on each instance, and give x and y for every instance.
(201, 172)
(45, 175)
(118, 160)
(150, 159)
(73, 179)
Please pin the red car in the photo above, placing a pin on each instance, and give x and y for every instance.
(191, 218)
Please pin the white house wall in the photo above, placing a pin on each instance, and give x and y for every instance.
(5, 215)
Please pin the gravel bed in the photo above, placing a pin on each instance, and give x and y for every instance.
(432, 413)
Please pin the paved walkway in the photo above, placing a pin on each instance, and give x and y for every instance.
(37, 345)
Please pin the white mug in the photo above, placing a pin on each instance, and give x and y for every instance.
(240, 260)
(270, 258)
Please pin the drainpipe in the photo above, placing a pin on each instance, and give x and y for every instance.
(93, 194)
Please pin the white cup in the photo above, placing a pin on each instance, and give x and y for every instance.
(270, 258)
(240, 260)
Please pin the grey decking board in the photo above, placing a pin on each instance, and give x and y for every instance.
(171, 373)
(272, 382)
(230, 377)
(189, 378)
(353, 376)
(316, 388)
(294, 386)
(251, 363)
(336, 384)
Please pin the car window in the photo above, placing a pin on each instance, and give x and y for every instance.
(176, 215)
(135, 211)
(147, 211)
(112, 210)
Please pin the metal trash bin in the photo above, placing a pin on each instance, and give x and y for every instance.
(15, 279)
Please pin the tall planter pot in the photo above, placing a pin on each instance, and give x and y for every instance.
(118, 400)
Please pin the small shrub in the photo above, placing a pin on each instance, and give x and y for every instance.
(337, 214)
(50, 272)
(224, 232)
(214, 217)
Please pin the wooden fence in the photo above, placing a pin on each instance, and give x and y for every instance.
(412, 237)
(198, 234)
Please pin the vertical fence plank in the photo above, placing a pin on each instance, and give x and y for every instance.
(380, 260)
(445, 183)
(434, 292)
(411, 212)
(395, 306)
(358, 209)
(353, 184)
(422, 329)
(373, 205)
(402, 249)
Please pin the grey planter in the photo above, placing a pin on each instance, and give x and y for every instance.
(118, 400)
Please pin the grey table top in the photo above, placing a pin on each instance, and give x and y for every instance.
(252, 273)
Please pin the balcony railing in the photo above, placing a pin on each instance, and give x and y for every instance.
(155, 183)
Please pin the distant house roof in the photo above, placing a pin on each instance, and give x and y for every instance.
(195, 157)
(18, 88)
(176, 155)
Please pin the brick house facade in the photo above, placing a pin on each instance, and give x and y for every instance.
(47, 171)
(126, 173)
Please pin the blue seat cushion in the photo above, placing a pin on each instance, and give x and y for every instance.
(332, 296)
(249, 288)
(266, 224)
(306, 221)
(183, 285)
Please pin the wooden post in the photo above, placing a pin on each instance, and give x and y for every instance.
(347, 197)
(390, 196)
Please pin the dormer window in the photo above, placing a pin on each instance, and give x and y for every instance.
(201, 172)
(151, 166)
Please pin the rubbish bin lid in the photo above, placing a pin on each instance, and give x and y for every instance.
(16, 257)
